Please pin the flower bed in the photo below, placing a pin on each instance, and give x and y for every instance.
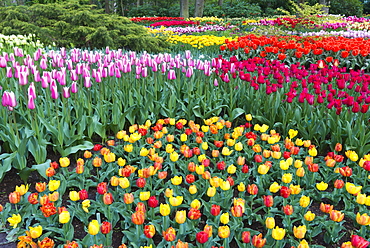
(176, 182)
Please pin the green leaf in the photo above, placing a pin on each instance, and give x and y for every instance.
(86, 145)
(6, 163)
(41, 168)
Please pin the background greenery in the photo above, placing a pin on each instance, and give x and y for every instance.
(228, 8)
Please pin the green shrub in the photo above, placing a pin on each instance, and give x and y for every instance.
(348, 7)
(74, 25)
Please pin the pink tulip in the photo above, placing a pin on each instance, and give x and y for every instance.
(31, 102)
(66, 93)
(74, 87)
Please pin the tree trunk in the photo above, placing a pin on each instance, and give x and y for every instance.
(199, 6)
(107, 10)
(220, 2)
(184, 8)
(327, 3)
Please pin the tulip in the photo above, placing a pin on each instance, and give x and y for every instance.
(303, 244)
(40, 187)
(275, 187)
(304, 201)
(284, 191)
(14, 220)
(215, 210)
(208, 229)
(257, 241)
(102, 188)
(326, 208)
(64, 217)
(237, 211)
(153, 202)
(309, 216)
(223, 231)
(252, 189)
(321, 186)
(74, 196)
(46, 243)
(225, 218)
(177, 180)
(268, 200)
(278, 233)
(149, 231)
(202, 237)
(287, 178)
(54, 185)
(270, 222)
(54, 196)
(86, 205)
(14, 197)
(35, 232)
(138, 218)
(106, 227)
(338, 184)
(336, 216)
(352, 189)
(169, 234)
(124, 182)
(164, 209)
(93, 227)
(193, 189)
(195, 204)
(180, 216)
(299, 232)
(48, 209)
(263, 169)
(359, 242)
(246, 237)
(108, 198)
(168, 193)
(194, 214)
(140, 207)
(363, 219)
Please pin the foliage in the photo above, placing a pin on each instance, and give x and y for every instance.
(348, 8)
(74, 25)
(231, 10)
(305, 10)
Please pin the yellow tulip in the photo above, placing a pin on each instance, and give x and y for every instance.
(211, 191)
(304, 201)
(275, 187)
(86, 205)
(164, 209)
(292, 133)
(144, 196)
(231, 169)
(180, 216)
(177, 180)
(176, 201)
(225, 218)
(174, 156)
(352, 189)
(299, 232)
(223, 231)
(124, 182)
(321, 186)
(193, 189)
(93, 227)
(35, 232)
(270, 222)
(263, 169)
(54, 185)
(278, 233)
(287, 178)
(74, 196)
(309, 216)
(14, 220)
(64, 217)
(195, 204)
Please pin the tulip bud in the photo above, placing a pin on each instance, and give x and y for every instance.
(106, 227)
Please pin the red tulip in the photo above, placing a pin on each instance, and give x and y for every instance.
(202, 237)
(106, 227)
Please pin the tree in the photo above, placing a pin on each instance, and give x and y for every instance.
(184, 8)
(199, 7)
